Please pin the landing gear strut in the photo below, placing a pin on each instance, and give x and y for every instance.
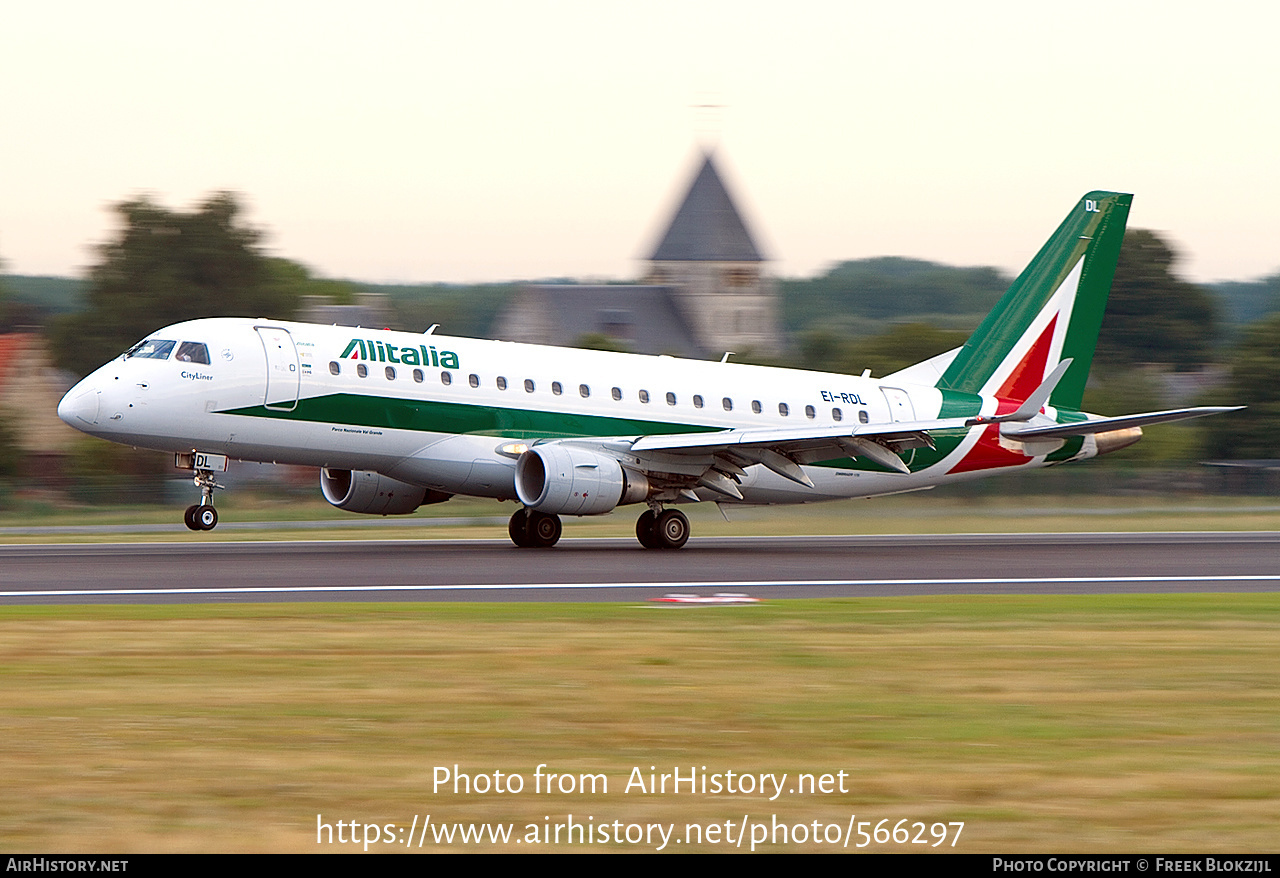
(203, 516)
(530, 529)
(658, 529)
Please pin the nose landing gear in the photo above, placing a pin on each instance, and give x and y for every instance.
(202, 516)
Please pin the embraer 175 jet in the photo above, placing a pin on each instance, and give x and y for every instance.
(397, 420)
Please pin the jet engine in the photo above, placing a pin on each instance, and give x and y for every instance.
(564, 480)
(373, 493)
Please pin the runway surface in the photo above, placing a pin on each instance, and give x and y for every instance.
(619, 570)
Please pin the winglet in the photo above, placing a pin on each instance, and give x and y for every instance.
(1032, 404)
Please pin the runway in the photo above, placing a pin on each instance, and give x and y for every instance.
(619, 570)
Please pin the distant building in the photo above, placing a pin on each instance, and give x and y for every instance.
(370, 310)
(30, 389)
(704, 291)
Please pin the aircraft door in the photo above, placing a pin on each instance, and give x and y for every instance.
(283, 373)
(900, 408)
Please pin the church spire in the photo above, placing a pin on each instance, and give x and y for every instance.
(707, 227)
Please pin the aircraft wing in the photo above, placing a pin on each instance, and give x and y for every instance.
(717, 459)
(1103, 425)
(723, 454)
(781, 439)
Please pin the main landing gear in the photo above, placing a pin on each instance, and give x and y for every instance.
(662, 529)
(530, 529)
(203, 516)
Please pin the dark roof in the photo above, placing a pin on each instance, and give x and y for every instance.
(644, 318)
(707, 227)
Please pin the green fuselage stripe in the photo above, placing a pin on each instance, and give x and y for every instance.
(451, 417)
(514, 423)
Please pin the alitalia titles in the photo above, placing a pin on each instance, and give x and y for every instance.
(382, 352)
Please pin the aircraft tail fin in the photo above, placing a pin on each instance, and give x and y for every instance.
(1051, 313)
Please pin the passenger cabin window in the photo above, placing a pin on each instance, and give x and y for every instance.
(617, 393)
(391, 373)
(151, 349)
(446, 378)
(863, 418)
(362, 370)
(417, 375)
(557, 388)
(473, 379)
(837, 415)
(697, 400)
(502, 383)
(193, 352)
(755, 406)
(334, 368)
(784, 409)
(528, 385)
(810, 412)
(727, 403)
(644, 396)
(671, 398)
(584, 391)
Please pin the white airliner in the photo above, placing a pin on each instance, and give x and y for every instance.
(397, 420)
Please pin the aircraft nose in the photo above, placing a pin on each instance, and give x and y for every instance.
(80, 407)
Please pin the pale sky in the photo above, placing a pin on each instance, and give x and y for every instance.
(422, 141)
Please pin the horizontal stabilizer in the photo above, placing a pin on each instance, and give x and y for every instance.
(1103, 425)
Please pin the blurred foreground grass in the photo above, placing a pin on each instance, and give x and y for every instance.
(1062, 723)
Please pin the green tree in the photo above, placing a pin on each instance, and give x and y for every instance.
(104, 472)
(890, 288)
(1139, 390)
(599, 341)
(1152, 315)
(165, 266)
(1255, 382)
(10, 310)
(901, 346)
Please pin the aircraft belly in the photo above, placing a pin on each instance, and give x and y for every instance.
(460, 465)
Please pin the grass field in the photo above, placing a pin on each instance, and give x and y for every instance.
(1052, 724)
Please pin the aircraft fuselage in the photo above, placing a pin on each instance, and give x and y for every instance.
(439, 411)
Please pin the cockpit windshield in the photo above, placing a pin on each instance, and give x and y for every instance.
(193, 352)
(151, 349)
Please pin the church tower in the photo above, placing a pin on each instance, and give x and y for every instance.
(713, 268)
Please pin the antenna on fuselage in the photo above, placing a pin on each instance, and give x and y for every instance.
(432, 328)
(727, 355)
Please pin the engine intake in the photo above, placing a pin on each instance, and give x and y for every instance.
(373, 493)
(564, 480)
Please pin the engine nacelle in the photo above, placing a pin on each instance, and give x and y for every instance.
(373, 493)
(564, 480)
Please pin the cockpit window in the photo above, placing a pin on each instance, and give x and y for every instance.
(193, 352)
(153, 349)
